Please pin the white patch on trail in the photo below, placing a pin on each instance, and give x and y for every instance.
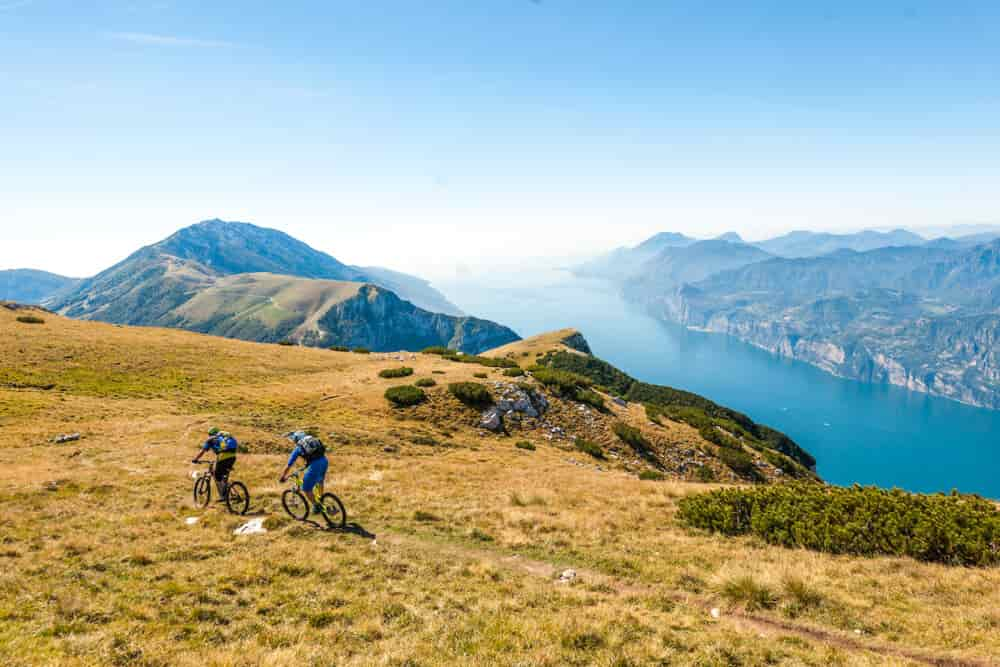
(376, 476)
(251, 527)
(191, 520)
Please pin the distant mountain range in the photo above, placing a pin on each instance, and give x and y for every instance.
(874, 306)
(31, 286)
(243, 281)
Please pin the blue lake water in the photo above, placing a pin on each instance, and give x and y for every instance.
(868, 434)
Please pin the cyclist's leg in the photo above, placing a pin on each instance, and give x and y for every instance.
(313, 478)
(222, 470)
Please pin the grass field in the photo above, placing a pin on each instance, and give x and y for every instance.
(457, 543)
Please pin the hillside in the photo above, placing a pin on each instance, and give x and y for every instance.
(923, 318)
(814, 244)
(672, 267)
(221, 278)
(459, 541)
(31, 286)
(218, 248)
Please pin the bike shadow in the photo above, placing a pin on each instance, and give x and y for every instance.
(352, 528)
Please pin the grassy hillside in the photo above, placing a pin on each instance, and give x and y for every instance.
(459, 538)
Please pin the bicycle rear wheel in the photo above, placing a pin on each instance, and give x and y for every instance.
(202, 491)
(295, 504)
(238, 498)
(336, 515)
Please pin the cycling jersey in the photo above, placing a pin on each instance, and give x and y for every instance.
(224, 446)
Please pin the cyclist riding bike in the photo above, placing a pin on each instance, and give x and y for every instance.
(314, 452)
(224, 445)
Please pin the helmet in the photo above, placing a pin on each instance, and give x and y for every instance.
(297, 436)
(213, 431)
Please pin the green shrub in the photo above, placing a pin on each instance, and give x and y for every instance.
(30, 319)
(361, 350)
(746, 591)
(631, 436)
(438, 372)
(471, 393)
(491, 362)
(564, 382)
(286, 343)
(340, 348)
(652, 475)
(405, 395)
(589, 447)
(401, 372)
(481, 376)
(864, 521)
(437, 349)
(524, 444)
(514, 372)
(704, 474)
(740, 463)
(425, 517)
(591, 398)
(425, 382)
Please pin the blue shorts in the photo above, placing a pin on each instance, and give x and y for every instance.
(315, 474)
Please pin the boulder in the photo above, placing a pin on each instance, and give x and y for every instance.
(491, 420)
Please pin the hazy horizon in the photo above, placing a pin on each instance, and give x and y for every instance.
(425, 138)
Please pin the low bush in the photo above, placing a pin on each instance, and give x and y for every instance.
(740, 463)
(631, 436)
(340, 348)
(514, 372)
(286, 343)
(425, 382)
(752, 595)
(405, 395)
(589, 447)
(704, 474)
(565, 382)
(651, 476)
(361, 350)
(481, 376)
(863, 521)
(471, 393)
(524, 444)
(491, 362)
(401, 372)
(30, 319)
(437, 349)
(438, 372)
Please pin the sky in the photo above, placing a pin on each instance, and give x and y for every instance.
(445, 136)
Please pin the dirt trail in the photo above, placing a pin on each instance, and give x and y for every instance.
(763, 625)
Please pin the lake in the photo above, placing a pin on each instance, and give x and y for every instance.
(859, 433)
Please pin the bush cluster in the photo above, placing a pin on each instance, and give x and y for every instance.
(864, 521)
(30, 319)
(651, 476)
(405, 395)
(589, 447)
(514, 372)
(490, 362)
(361, 350)
(471, 393)
(340, 348)
(524, 444)
(425, 382)
(569, 385)
(401, 372)
(437, 349)
(285, 343)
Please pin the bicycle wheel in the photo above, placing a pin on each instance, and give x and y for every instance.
(295, 504)
(202, 491)
(238, 498)
(336, 515)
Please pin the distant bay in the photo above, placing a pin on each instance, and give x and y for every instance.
(860, 433)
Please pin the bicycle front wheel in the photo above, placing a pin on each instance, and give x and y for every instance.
(202, 491)
(336, 515)
(238, 498)
(295, 504)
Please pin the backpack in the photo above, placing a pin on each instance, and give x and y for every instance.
(312, 448)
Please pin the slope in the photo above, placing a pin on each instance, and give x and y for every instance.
(455, 536)
(30, 285)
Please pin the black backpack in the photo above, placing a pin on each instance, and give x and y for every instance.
(312, 448)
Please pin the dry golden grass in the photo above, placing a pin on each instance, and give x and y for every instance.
(99, 566)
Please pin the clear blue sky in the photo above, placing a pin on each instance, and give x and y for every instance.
(379, 130)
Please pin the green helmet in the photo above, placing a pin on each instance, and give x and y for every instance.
(213, 431)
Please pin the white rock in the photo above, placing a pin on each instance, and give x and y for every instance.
(715, 613)
(191, 520)
(251, 527)
(567, 576)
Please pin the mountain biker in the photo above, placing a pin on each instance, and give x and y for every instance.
(224, 445)
(314, 452)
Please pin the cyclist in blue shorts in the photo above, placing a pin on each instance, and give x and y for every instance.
(314, 452)
(225, 447)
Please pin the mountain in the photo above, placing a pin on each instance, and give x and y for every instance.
(245, 281)
(676, 265)
(813, 244)
(416, 290)
(926, 318)
(732, 237)
(30, 285)
(621, 263)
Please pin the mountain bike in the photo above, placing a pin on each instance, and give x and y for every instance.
(237, 497)
(296, 504)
